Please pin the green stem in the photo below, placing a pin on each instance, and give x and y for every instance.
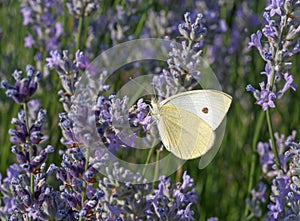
(79, 41)
(84, 184)
(257, 129)
(156, 168)
(150, 153)
(66, 26)
(141, 23)
(270, 127)
(30, 152)
(79, 34)
(250, 217)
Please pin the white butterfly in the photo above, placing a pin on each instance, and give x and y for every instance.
(187, 121)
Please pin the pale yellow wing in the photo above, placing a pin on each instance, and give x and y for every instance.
(183, 133)
(210, 105)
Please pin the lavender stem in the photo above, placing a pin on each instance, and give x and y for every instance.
(30, 152)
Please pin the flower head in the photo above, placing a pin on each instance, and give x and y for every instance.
(23, 88)
(280, 32)
(41, 17)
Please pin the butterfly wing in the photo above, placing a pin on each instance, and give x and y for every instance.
(183, 133)
(210, 105)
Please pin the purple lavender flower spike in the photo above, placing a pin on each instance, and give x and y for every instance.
(24, 88)
(138, 115)
(183, 63)
(276, 207)
(260, 193)
(274, 210)
(36, 136)
(192, 31)
(69, 73)
(6, 190)
(23, 198)
(109, 117)
(280, 31)
(285, 181)
(42, 17)
(78, 8)
(257, 199)
(250, 88)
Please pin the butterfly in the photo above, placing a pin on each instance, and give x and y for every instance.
(187, 121)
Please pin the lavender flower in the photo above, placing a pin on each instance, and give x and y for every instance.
(136, 202)
(285, 194)
(224, 56)
(120, 26)
(42, 18)
(266, 155)
(279, 34)
(257, 199)
(161, 23)
(79, 8)
(121, 21)
(21, 205)
(183, 62)
(69, 138)
(114, 200)
(212, 20)
(113, 114)
(275, 7)
(192, 31)
(8, 199)
(74, 176)
(182, 195)
(25, 189)
(24, 88)
(280, 31)
(285, 186)
(138, 116)
(69, 72)
(35, 135)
